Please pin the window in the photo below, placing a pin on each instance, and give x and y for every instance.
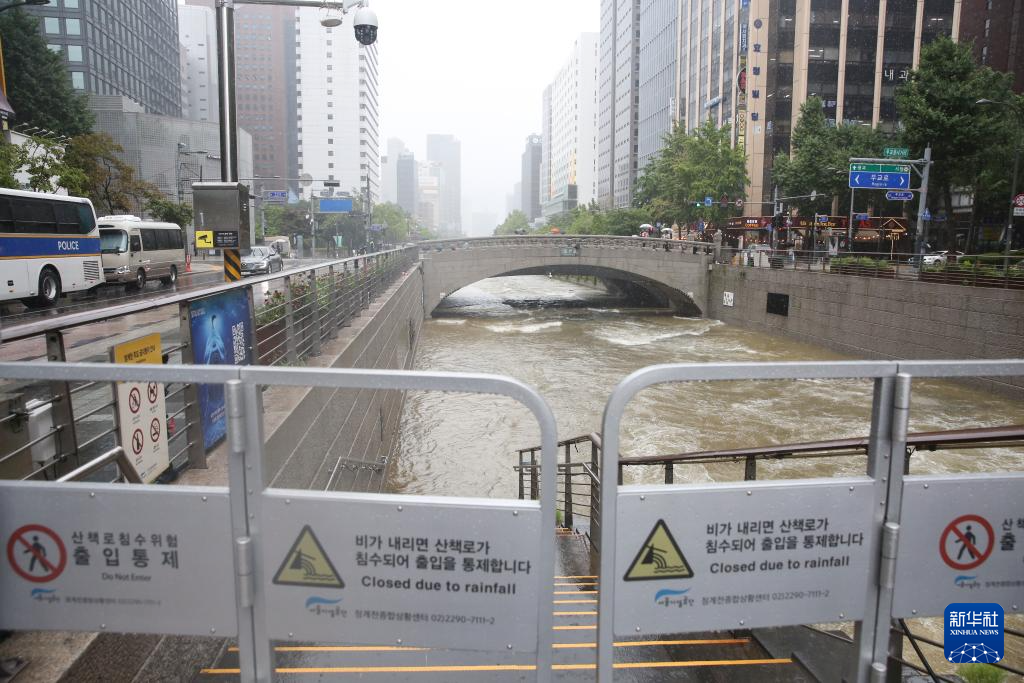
(78, 80)
(51, 25)
(71, 4)
(165, 239)
(55, 47)
(149, 239)
(33, 216)
(136, 245)
(74, 53)
(74, 26)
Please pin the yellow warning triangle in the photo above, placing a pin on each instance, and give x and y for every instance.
(659, 558)
(307, 564)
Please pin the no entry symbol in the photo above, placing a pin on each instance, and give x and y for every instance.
(966, 542)
(154, 429)
(134, 400)
(153, 392)
(137, 441)
(36, 553)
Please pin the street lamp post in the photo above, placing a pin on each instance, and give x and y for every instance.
(1018, 111)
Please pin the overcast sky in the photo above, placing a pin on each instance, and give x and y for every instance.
(475, 69)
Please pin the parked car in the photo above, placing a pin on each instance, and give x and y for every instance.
(938, 258)
(261, 260)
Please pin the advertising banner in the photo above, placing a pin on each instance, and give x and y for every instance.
(221, 331)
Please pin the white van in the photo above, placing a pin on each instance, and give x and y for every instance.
(135, 251)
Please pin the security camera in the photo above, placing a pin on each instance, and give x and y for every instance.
(365, 23)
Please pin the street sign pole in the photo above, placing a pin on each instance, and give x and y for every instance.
(849, 226)
(922, 203)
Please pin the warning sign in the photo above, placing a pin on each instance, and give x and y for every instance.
(204, 239)
(307, 564)
(966, 542)
(659, 558)
(137, 417)
(36, 553)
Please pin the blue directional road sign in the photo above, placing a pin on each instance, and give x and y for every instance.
(899, 196)
(276, 196)
(708, 201)
(879, 181)
(335, 205)
(926, 215)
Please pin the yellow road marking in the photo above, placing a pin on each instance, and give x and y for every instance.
(652, 643)
(577, 577)
(571, 614)
(575, 602)
(575, 592)
(344, 648)
(468, 668)
(578, 583)
(591, 627)
(557, 646)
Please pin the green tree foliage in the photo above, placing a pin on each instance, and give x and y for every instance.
(692, 166)
(163, 209)
(515, 221)
(38, 84)
(44, 162)
(938, 106)
(398, 224)
(820, 160)
(108, 181)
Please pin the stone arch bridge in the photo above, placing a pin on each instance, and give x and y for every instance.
(672, 274)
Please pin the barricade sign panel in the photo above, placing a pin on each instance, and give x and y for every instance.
(376, 569)
(108, 557)
(741, 555)
(141, 410)
(961, 540)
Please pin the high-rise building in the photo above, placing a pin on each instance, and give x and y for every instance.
(197, 31)
(996, 28)
(658, 77)
(446, 150)
(430, 182)
(337, 107)
(514, 200)
(568, 174)
(531, 177)
(407, 178)
(119, 47)
(618, 101)
(389, 170)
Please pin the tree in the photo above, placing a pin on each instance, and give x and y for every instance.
(692, 166)
(163, 209)
(109, 182)
(396, 221)
(515, 223)
(820, 160)
(38, 84)
(44, 163)
(938, 106)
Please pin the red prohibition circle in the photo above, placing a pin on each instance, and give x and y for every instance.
(980, 557)
(134, 400)
(54, 570)
(138, 441)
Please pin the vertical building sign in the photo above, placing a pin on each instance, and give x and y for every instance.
(141, 410)
(741, 84)
(221, 330)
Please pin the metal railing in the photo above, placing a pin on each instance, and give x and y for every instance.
(294, 313)
(568, 241)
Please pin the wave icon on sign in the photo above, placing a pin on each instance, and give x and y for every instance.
(963, 579)
(315, 600)
(665, 593)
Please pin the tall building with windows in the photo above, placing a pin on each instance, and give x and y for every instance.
(446, 150)
(118, 47)
(407, 179)
(531, 177)
(618, 101)
(658, 81)
(389, 170)
(568, 171)
(197, 31)
(996, 29)
(337, 108)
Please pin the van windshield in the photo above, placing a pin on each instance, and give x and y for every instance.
(113, 241)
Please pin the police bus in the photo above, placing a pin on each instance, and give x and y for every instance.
(49, 245)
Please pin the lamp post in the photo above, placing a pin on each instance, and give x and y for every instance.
(183, 150)
(1018, 111)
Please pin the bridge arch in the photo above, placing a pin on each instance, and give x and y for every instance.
(669, 271)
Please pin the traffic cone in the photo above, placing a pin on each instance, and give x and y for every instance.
(188, 263)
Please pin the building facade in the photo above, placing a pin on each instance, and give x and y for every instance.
(618, 101)
(996, 27)
(118, 47)
(430, 182)
(407, 179)
(446, 150)
(531, 177)
(337, 108)
(389, 170)
(659, 40)
(197, 31)
(568, 172)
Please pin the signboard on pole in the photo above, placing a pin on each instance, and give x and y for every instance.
(961, 540)
(880, 176)
(141, 410)
(275, 196)
(896, 152)
(110, 557)
(363, 568)
(899, 196)
(221, 332)
(742, 555)
(334, 205)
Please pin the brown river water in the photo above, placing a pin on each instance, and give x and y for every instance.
(577, 347)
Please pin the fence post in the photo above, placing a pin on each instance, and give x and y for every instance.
(669, 473)
(193, 415)
(750, 469)
(62, 410)
(595, 498)
(314, 311)
(534, 486)
(289, 317)
(332, 305)
(567, 521)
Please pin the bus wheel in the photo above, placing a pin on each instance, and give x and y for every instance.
(140, 280)
(49, 287)
(172, 277)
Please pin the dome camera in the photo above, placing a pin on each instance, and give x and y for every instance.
(365, 23)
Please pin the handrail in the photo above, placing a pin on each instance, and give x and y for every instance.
(37, 327)
(115, 454)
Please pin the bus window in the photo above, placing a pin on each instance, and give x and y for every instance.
(113, 241)
(136, 245)
(164, 239)
(33, 216)
(149, 242)
(86, 219)
(6, 220)
(68, 219)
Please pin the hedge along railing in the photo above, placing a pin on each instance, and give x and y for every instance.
(316, 301)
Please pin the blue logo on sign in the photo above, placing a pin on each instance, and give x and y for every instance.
(672, 598)
(44, 595)
(317, 600)
(964, 581)
(973, 632)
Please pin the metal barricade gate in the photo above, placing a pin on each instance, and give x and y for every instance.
(657, 576)
(265, 564)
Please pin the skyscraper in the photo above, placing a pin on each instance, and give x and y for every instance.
(446, 150)
(569, 147)
(407, 177)
(531, 177)
(197, 31)
(389, 170)
(119, 47)
(337, 109)
(618, 102)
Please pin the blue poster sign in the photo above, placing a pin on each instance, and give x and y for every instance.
(879, 181)
(221, 331)
(974, 632)
(343, 205)
(708, 201)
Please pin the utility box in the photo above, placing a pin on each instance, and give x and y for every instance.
(221, 215)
